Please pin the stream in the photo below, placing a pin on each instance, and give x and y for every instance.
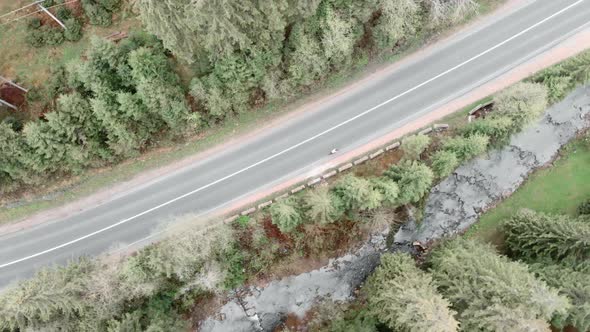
(452, 206)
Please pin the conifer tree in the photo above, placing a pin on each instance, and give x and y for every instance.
(405, 297)
(484, 287)
(413, 178)
(285, 215)
(358, 193)
(323, 206)
(534, 235)
(573, 284)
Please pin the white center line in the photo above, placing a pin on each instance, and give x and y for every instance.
(294, 146)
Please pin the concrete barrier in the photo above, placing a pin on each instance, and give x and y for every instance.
(441, 126)
(298, 189)
(425, 131)
(475, 109)
(329, 174)
(232, 218)
(392, 146)
(314, 182)
(265, 204)
(361, 160)
(344, 167)
(376, 154)
(283, 196)
(249, 211)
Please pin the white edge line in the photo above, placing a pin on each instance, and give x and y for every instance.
(294, 146)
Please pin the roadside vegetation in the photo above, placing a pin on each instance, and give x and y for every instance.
(166, 283)
(516, 269)
(226, 67)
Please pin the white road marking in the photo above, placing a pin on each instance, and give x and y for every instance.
(296, 145)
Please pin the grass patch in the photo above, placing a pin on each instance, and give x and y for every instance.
(558, 190)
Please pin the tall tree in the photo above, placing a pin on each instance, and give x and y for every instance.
(405, 297)
(323, 206)
(398, 20)
(484, 287)
(285, 215)
(358, 193)
(573, 284)
(534, 235)
(413, 178)
(14, 153)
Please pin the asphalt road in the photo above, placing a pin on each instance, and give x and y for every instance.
(346, 122)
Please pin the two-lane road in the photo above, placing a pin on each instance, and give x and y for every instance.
(346, 121)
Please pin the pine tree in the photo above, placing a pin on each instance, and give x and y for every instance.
(306, 62)
(338, 38)
(405, 298)
(534, 235)
(398, 20)
(54, 297)
(14, 153)
(575, 285)
(358, 193)
(484, 287)
(413, 178)
(388, 189)
(171, 22)
(322, 206)
(285, 215)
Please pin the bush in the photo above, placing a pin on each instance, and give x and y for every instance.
(405, 298)
(444, 163)
(73, 30)
(63, 14)
(498, 128)
(97, 13)
(466, 148)
(413, 178)
(584, 208)
(532, 235)
(490, 292)
(413, 146)
(34, 23)
(285, 215)
(522, 103)
(39, 36)
(53, 36)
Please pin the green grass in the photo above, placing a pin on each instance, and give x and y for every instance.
(558, 190)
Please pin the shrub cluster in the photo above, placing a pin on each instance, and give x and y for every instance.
(143, 293)
(514, 108)
(100, 12)
(114, 104)
(39, 35)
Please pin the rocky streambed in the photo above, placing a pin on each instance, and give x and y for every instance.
(457, 202)
(453, 206)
